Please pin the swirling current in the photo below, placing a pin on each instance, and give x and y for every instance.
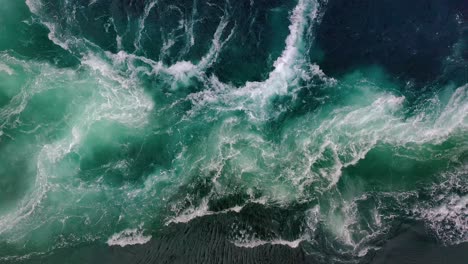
(231, 131)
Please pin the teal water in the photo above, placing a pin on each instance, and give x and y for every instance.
(120, 119)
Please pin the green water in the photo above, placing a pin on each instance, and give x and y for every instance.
(117, 121)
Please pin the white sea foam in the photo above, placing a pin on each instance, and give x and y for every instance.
(28, 205)
(217, 44)
(182, 72)
(347, 136)
(128, 237)
(294, 41)
(92, 2)
(288, 65)
(446, 213)
(40, 74)
(53, 36)
(33, 5)
(181, 68)
(257, 243)
(192, 213)
(5, 68)
(126, 103)
(450, 219)
(189, 26)
(291, 66)
(200, 211)
(141, 23)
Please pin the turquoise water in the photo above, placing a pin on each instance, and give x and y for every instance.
(120, 119)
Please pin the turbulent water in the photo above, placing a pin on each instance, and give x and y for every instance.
(122, 118)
